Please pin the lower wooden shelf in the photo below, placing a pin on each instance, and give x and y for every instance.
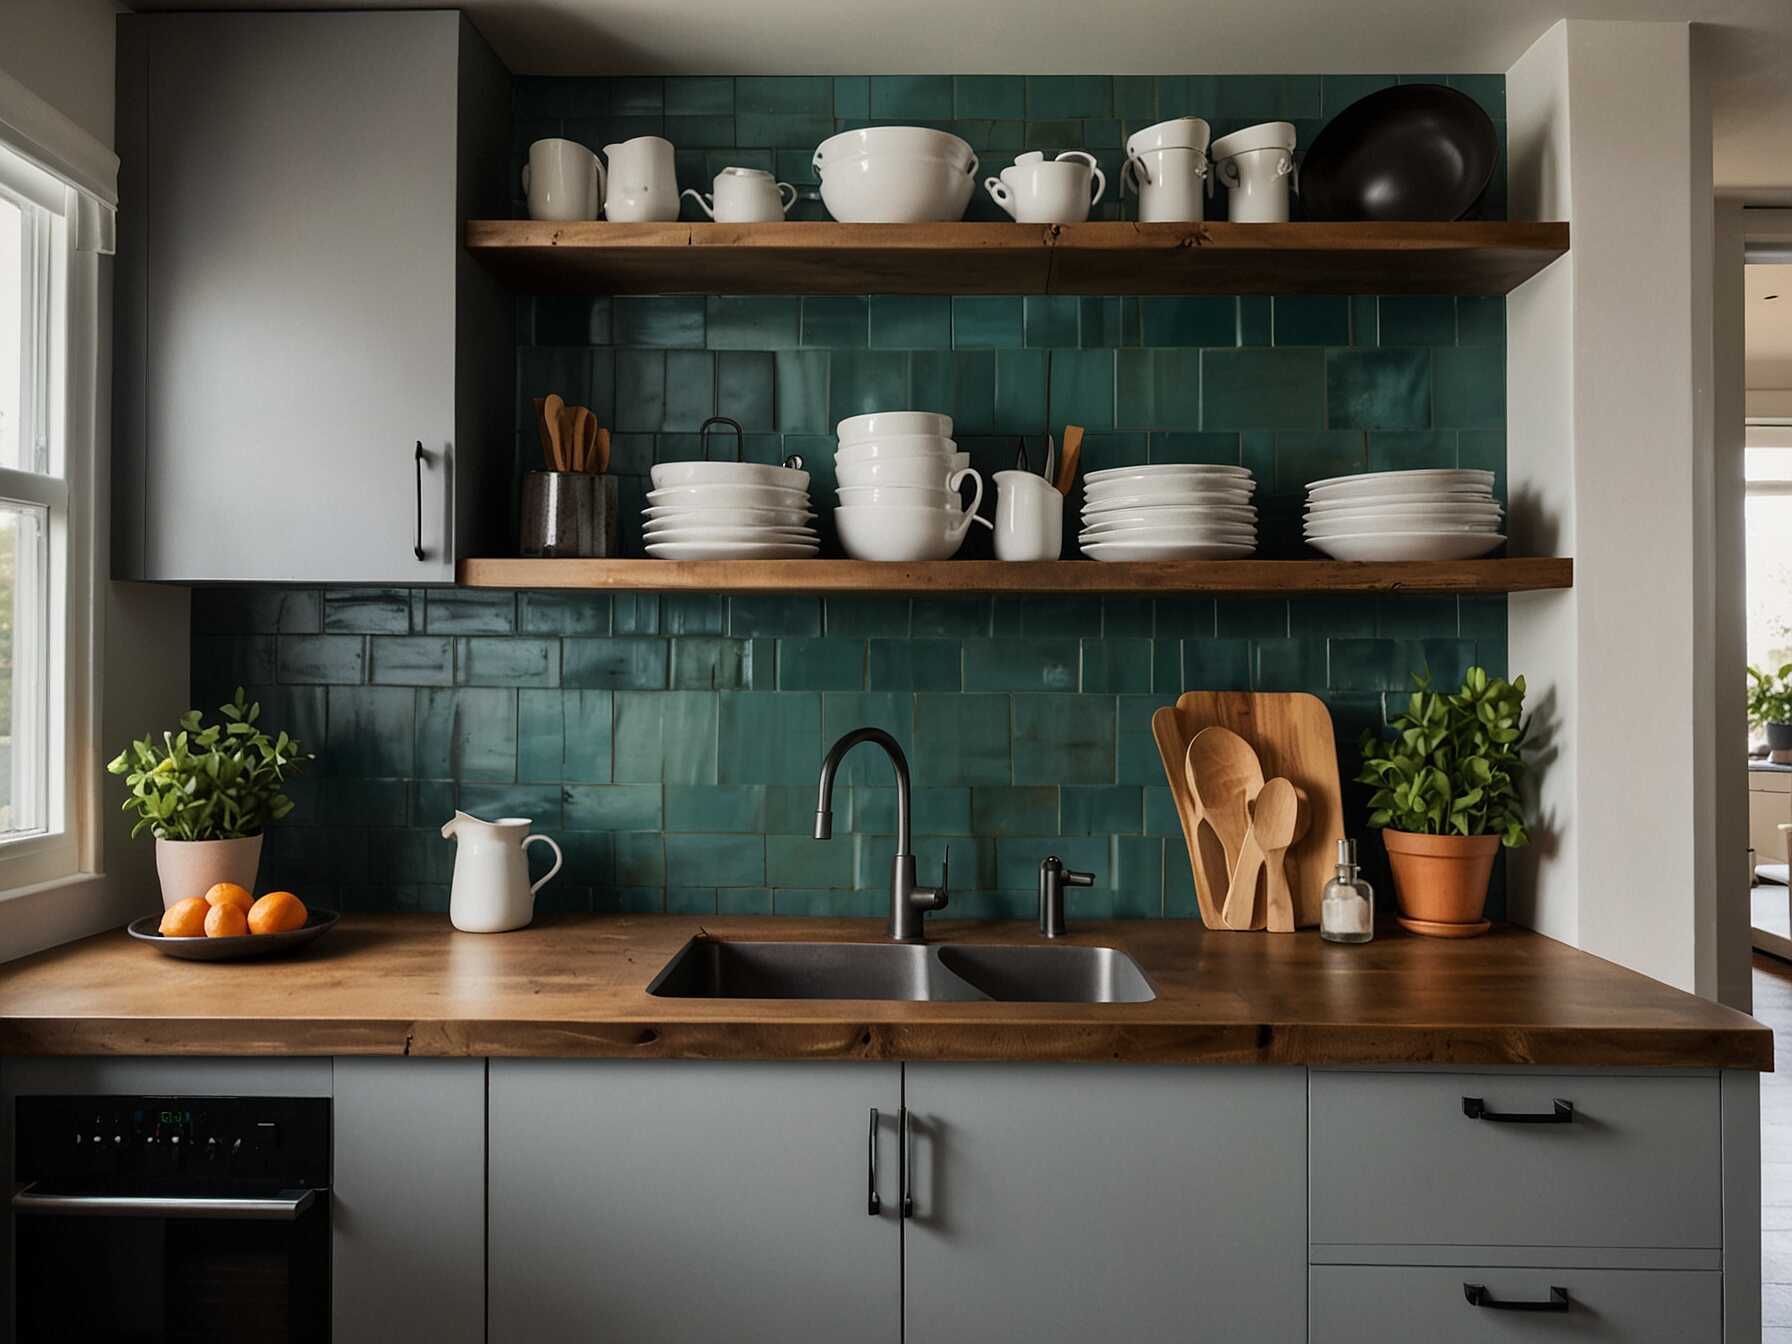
(1243, 577)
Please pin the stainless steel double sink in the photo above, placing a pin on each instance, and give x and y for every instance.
(715, 968)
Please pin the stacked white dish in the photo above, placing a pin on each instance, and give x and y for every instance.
(729, 511)
(1169, 511)
(1441, 513)
(899, 474)
(895, 175)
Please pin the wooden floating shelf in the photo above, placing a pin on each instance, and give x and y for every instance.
(1240, 577)
(1102, 257)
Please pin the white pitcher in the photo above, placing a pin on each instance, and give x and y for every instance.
(491, 890)
(643, 182)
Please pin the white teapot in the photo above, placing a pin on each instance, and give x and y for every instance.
(745, 196)
(491, 891)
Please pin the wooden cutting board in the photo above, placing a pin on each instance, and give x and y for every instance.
(1292, 735)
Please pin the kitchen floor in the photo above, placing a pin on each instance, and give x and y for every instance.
(1773, 1005)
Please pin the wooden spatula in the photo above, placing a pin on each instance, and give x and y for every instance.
(553, 409)
(581, 433)
(1073, 449)
(602, 445)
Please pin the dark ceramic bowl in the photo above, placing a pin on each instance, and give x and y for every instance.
(318, 923)
(1412, 152)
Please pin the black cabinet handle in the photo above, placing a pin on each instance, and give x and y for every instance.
(420, 458)
(908, 1166)
(1478, 1296)
(1476, 1109)
(873, 1205)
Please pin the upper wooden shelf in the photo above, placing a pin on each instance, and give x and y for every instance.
(1242, 577)
(1104, 257)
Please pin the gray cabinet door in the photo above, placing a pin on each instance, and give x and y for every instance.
(288, 248)
(686, 1202)
(1075, 1203)
(407, 1214)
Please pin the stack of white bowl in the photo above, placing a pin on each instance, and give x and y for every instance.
(1433, 514)
(899, 474)
(729, 511)
(1170, 511)
(895, 175)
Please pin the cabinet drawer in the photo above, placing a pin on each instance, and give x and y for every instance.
(1360, 1305)
(1394, 1160)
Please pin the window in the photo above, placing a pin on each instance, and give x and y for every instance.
(1767, 466)
(38, 659)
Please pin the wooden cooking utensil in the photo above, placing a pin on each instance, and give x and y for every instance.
(1073, 449)
(552, 409)
(568, 439)
(581, 429)
(589, 442)
(1225, 775)
(541, 429)
(601, 443)
(1278, 900)
(1273, 818)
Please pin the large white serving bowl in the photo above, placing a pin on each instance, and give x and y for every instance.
(727, 473)
(1232, 536)
(1170, 469)
(1387, 484)
(893, 424)
(930, 471)
(896, 189)
(1356, 526)
(1198, 515)
(730, 496)
(726, 517)
(1478, 499)
(898, 533)
(1180, 550)
(878, 141)
(1409, 545)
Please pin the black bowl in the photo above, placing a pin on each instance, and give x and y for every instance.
(317, 923)
(1411, 152)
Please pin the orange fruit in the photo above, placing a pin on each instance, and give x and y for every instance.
(228, 893)
(184, 919)
(277, 912)
(226, 921)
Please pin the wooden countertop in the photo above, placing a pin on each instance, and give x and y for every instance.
(575, 985)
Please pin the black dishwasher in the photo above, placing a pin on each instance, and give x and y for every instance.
(172, 1218)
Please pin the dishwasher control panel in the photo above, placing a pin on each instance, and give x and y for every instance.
(78, 1140)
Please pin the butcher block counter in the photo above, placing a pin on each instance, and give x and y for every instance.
(576, 986)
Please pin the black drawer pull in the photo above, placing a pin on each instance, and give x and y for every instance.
(1478, 1296)
(873, 1204)
(1476, 1109)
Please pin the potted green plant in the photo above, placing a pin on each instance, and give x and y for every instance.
(1446, 798)
(1770, 705)
(207, 792)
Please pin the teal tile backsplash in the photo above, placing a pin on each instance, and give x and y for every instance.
(670, 742)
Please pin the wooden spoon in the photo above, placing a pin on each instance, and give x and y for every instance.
(1273, 818)
(601, 443)
(552, 409)
(581, 431)
(1277, 898)
(1073, 449)
(1225, 776)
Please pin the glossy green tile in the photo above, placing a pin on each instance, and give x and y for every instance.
(1052, 320)
(782, 130)
(1107, 323)
(1378, 389)
(1255, 322)
(322, 659)
(1059, 737)
(1176, 388)
(1251, 617)
(1161, 816)
(1290, 664)
(1312, 616)
(843, 711)
(974, 392)
(1018, 859)
(1199, 320)
(562, 735)
(961, 738)
(1338, 92)
(711, 663)
(1135, 96)
(784, 93)
(665, 736)
(656, 321)
(1471, 387)
(1263, 389)
(1408, 450)
(1020, 391)
(469, 611)
(615, 663)
(1069, 96)
(936, 811)
(1480, 321)
(989, 96)
(1365, 320)
(1112, 665)
(640, 390)
(1138, 877)
(229, 611)
(743, 901)
(769, 322)
(637, 94)
(802, 861)
(925, 96)
(941, 617)
(1014, 809)
(694, 133)
(563, 613)
(862, 381)
(1417, 319)
(829, 903)
(768, 738)
(640, 858)
(636, 613)
(852, 96)
(911, 322)
(749, 617)
(690, 389)
(612, 807)
(802, 392)
(1311, 319)
(1081, 388)
(914, 665)
(699, 95)
(837, 321)
(509, 661)
(1487, 90)
(821, 664)
(1304, 458)
(367, 611)
(857, 615)
(1216, 664)
(460, 734)
(987, 320)
(746, 382)
(1027, 664)
(714, 860)
(1107, 809)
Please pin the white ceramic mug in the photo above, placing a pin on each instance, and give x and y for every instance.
(643, 181)
(563, 181)
(745, 196)
(1037, 190)
(1029, 517)
(1172, 184)
(897, 532)
(1257, 167)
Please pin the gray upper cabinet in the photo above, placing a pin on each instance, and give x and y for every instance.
(1060, 1204)
(686, 1203)
(295, 310)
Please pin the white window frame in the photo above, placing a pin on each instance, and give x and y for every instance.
(65, 364)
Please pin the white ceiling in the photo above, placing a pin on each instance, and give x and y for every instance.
(1751, 42)
(1769, 326)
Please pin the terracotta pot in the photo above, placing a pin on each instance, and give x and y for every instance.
(1441, 879)
(192, 867)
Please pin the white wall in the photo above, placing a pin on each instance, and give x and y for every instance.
(63, 51)
(1610, 461)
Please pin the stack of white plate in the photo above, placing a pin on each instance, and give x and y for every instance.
(899, 475)
(1171, 511)
(729, 511)
(1435, 514)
